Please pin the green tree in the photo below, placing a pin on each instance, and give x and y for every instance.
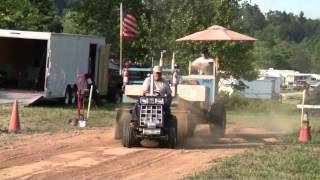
(29, 15)
(101, 17)
(300, 61)
(251, 18)
(181, 17)
(286, 41)
(18, 14)
(49, 19)
(160, 24)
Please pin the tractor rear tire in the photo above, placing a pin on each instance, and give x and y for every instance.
(218, 124)
(191, 127)
(182, 126)
(129, 138)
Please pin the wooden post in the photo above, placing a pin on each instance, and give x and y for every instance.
(302, 108)
(121, 30)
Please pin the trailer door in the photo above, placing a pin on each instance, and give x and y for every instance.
(103, 72)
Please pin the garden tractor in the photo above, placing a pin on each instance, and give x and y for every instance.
(195, 102)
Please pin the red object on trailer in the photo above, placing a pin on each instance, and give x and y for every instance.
(81, 93)
(82, 83)
(80, 106)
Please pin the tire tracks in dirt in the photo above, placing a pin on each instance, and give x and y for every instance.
(93, 154)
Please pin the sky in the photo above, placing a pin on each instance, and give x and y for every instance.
(310, 8)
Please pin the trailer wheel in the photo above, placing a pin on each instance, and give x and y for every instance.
(118, 98)
(218, 124)
(68, 95)
(74, 94)
(129, 138)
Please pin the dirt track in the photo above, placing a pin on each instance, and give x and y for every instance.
(93, 154)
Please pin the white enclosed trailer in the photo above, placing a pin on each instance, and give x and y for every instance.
(45, 64)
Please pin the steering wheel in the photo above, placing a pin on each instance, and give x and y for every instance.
(155, 93)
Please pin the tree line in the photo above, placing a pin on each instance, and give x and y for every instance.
(286, 41)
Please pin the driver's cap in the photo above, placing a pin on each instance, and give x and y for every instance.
(157, 69)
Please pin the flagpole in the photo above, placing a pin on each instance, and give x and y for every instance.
(121, 30)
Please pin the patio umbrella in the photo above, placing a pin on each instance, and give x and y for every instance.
(217, 33)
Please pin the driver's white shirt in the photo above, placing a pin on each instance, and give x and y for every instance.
(162, 86)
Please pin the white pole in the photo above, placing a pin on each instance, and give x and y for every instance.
(302, 108)
(173, 61)
(161, 59)
(121, 30)
(151, 85)
(152, 64)
(90, 96)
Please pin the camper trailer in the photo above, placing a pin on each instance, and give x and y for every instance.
(44, 64)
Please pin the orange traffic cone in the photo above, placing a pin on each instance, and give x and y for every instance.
(14, 124)
(305, 131)
(305, 134)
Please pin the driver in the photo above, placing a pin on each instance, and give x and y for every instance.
(161, 86)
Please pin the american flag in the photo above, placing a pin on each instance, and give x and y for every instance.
(130, 27)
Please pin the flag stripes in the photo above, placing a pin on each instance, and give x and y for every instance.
(130, 27)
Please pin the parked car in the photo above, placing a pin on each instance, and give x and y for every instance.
(314, 84)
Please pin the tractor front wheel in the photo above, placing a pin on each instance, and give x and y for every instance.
(172, 138)
(129, 138)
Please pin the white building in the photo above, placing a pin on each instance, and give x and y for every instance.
(290, 77)
(260, 89)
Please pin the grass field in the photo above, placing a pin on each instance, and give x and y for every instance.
(52, 118)
(289, 159)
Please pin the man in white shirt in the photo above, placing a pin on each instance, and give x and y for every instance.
(204, 64)
(160, 85)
